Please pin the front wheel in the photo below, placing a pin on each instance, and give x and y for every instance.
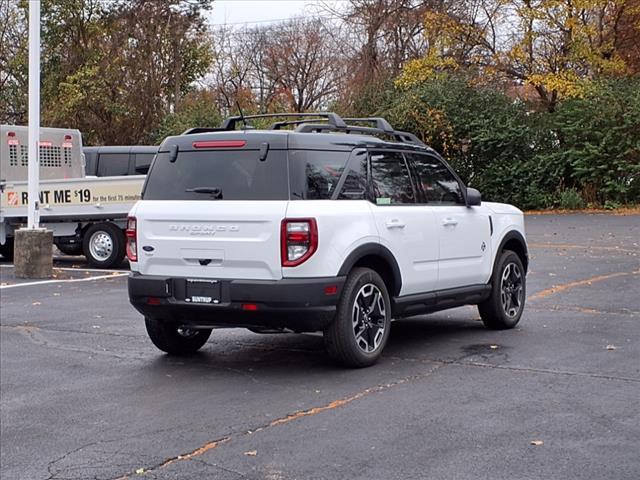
(173, 339)
(503, 308)
(360, 330)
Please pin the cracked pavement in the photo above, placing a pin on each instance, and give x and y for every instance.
(85, 395)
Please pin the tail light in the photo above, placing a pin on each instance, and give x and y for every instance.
(298, 240)
(132, 244)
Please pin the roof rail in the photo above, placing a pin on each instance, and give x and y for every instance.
(400, 136)
(332, 119)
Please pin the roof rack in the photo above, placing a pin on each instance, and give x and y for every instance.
(379, 122)
(305, 124)
(332, 119)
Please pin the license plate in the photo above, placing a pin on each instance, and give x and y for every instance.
(203, 291)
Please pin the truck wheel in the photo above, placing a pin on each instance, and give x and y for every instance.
(104, 245)
(175, 340)
(6, 250)
(71, 249)
(503, 309)
(360, 330)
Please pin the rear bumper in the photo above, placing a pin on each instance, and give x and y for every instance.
(298, 304)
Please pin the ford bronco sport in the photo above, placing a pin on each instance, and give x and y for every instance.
(315, 224)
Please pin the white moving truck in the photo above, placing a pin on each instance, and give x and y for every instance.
(86, 214)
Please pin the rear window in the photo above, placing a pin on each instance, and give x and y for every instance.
(315, 174)
(224, 175)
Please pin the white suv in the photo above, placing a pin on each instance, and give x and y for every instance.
(324, 227)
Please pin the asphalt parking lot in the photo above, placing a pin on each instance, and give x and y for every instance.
(84, 394)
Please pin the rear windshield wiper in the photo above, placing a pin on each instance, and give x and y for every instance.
(215, 192)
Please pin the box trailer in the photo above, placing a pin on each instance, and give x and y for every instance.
(86, 214)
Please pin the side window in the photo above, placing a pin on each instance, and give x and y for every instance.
(315, 174)
(355, 183)
(390, 179)
(113, 164)
(143, 162)
(436, 185)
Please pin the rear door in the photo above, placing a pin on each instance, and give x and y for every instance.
(406, 228)
(213, 214)
(463, 232)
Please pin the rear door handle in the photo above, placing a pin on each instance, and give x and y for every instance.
(395, 223)
(449, 222)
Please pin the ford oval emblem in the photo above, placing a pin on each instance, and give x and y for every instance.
(148, 248)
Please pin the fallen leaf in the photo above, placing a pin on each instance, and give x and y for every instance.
(251, 453)
(611, 347)
(537, 443)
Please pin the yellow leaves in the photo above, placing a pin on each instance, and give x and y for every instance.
(423, 69)
(554, 45)
(566, 83)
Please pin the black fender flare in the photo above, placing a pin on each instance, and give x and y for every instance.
(517, 236)
(379, 251)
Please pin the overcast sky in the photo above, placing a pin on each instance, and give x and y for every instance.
(257, 12)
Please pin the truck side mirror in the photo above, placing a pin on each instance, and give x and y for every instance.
(473, 197)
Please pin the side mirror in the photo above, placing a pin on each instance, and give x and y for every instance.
(473, 197)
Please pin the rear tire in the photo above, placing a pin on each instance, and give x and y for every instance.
(503, 308)
(7, 250)
(360, 329)
(174, 340)
(104, 245)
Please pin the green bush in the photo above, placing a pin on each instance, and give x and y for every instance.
(570, 199)
(587, 151)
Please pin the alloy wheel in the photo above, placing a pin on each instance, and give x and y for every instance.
(369, 318)
(511, 290)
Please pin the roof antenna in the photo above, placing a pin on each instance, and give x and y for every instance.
(244, 121)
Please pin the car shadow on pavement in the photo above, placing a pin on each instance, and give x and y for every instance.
(273, 354)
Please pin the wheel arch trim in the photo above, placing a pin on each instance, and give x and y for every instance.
(374, 249)
(519, 238)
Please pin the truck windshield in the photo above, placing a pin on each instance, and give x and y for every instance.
(239, 175)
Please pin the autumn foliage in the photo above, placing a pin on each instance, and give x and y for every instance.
(536, 102)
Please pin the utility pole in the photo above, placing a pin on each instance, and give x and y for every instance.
(33, 255)
(33, 208)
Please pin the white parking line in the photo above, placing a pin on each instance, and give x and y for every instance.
(76, 269)
(73, 280)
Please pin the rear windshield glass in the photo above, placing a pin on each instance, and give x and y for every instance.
(315, 174)
(218, 175)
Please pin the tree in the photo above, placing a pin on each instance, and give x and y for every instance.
(145, 56)
(379, 36)
(13, 63)
(301, 61)
(556, 46)
(113, 69)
